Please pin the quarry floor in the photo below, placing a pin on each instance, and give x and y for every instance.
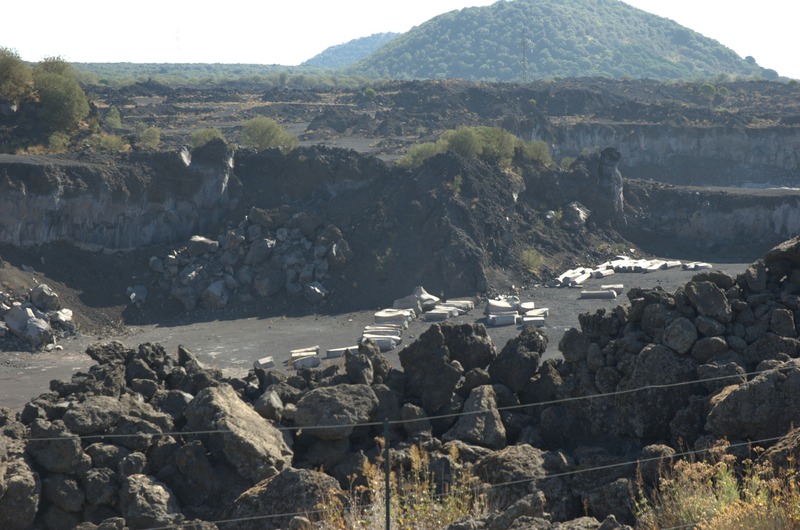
(232, 345)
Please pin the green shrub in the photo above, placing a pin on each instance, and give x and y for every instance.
(491, 144)
(16, 76)
(463, 140)
(458, 181)
(58, 142)
(150, 138)
(113, 120)
(370, 93)
(708, 90)
(54, 65)
(566, 162)
(532, 260)
(536, 150)
(63, 101)
(497, 145)
(417, 154)
(264, 133)
(203, 136)
(108, 142)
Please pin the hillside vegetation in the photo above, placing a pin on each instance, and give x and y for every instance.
(514, 40)
(532, 39)
(350, 52)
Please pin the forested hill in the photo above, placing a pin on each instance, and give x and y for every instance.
(520, 40)
(349, 52)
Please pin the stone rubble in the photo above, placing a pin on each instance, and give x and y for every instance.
(36, 320)
(269, 252)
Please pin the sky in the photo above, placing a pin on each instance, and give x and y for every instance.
(288, 32)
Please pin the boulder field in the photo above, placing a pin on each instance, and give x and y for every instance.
(147, 438)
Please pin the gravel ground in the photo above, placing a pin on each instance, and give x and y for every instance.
(233, 345)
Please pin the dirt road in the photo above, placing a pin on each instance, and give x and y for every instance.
(233, 345)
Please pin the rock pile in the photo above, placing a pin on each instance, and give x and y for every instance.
(708, 344)
(146, 439)
(269, 252)
(36, 319)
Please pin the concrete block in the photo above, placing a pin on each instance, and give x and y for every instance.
(311, 350)
(541, 312)
(394, 316)
(502, 320)
(579, 279)
(501, 306)
(454, 311)
(384, 343)
(616, 287)
(387, 335)
(437, 315)
(533, 321)
(602, 273)
(387, 325)
(596, 295)
(335, 353)
(466, 305)
(308, 361)
(264, 363)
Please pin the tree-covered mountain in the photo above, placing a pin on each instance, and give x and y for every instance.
(520, 40)
(350, 52)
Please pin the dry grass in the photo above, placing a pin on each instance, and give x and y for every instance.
(414, 501)
(721, 494)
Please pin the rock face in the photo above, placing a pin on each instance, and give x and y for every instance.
(247, 441)
(519, 359)
(432, 373)
(760, 408)
(481, 424)
(129, 212)
(146, 503)
(344, 405)
(292, 491)
(20, 491)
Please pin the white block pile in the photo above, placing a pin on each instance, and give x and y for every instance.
(304, 358)
(419, 301)
(430, 307)
(510, 311)
(626, 264)
(385, 336)
(572, 277)
(530, 315)
(399, 317)
(620, 264)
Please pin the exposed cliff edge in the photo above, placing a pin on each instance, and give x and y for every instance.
(117, 203)
(721, 155)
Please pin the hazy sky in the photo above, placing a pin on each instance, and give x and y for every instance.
(290, 31)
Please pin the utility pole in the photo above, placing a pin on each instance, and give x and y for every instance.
(524, 45)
